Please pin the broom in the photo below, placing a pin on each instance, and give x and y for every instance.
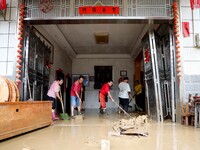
(63, 115)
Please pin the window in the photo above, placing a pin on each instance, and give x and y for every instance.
(102, 74)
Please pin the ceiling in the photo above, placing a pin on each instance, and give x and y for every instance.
(78, 40)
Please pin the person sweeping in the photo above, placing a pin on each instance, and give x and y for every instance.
(103, 93)
(53, 93)
(75, 96)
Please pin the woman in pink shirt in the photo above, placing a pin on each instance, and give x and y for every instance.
(53, 93)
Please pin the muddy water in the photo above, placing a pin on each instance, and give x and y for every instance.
(87, 135)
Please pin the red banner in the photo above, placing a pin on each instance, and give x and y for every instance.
(98, 10)
(186, 29)
(194, 4)
(2, 4)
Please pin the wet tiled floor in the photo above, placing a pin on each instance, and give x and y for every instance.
(87, 135)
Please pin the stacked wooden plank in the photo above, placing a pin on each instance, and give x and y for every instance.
(8, 90)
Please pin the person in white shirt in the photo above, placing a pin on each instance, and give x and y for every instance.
(124, 93)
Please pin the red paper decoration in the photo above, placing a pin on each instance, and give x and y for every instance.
(2, 4)
(99, 10)
(186, 29)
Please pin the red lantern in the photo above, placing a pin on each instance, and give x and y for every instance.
(19, 46)
(19, 66)
(21, 6)
(21, 19)
(2, 4)
(19, 60)
(19, 56)
(18, 71)
(179, 74)
(178, 65)
(18, 75)
(178, 56)
(18, 81)
(178, 70)
(21, 24)
(177, 42)
(178, 60)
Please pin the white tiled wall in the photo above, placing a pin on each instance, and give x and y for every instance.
(8, 39)
(190, 54)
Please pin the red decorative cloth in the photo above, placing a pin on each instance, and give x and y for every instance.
(2, 4)
(146, 55)
(186, 29)
(194, 4)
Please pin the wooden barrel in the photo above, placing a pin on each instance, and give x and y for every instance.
(4, 90)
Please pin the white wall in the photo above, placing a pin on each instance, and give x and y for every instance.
(86, 66)
(8, 40)
(190, 54)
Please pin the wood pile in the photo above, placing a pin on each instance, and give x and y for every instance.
(8, 90)
(130, 126)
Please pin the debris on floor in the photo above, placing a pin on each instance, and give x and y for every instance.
(105, 145)
(27, 149)
(92, 141)
(130, 126)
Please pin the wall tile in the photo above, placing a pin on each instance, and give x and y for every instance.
(3, 68)
(11, 54)
(3, 40)
(10, 69)
(13, 13)
(191, 68)
(13, 27)
(184, 2)
(3, 54)
(14, 3)
(12, 41)
(4, 27)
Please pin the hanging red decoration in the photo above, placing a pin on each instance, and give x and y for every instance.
(194, 4)
(146, 55)
(186, 29)
(18, 81)
(19, 56)
(179, 74)
(46, 6)
(2, 4)
(18, 71)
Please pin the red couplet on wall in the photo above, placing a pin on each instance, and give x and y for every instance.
(98, 10)
(2, 4)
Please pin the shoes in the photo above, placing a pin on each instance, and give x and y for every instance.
(72, 117)
(54, 115)
(102, 111)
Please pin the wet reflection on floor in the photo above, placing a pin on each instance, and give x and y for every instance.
(87, 135)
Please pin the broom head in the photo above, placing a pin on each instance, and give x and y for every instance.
(64, 116)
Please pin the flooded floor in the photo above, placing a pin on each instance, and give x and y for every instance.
(87, 135)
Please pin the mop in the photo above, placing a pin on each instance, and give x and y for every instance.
(122, 109)
(137, 107)
(63, 115)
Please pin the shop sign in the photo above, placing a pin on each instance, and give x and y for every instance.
(98, 10)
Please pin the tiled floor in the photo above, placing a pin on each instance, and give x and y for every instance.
(87, 135)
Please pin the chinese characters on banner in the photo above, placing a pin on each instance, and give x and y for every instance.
(98, 10)
(194, 4)
(186, 29)
(2, 4)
